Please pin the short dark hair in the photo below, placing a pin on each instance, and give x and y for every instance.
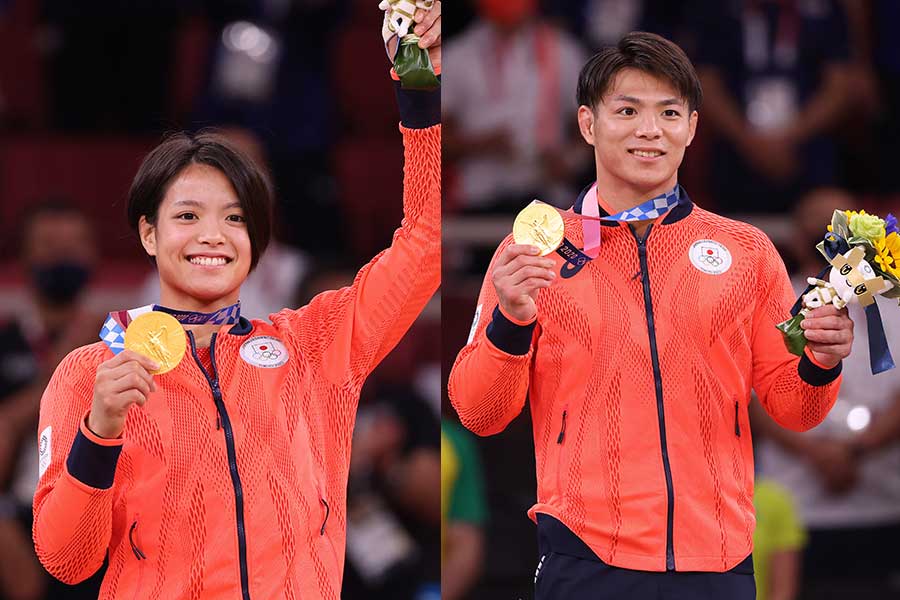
(646, 52)
(53, 206)
(175, 153)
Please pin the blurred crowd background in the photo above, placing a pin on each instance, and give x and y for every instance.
(86, 90)
(800, 116)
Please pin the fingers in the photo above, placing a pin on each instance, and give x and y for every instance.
(829, 322)
(829, 336)
(126, 371)
(529, 273)
(428, 26)
(828, 310)
(425, 19)
(520, 262)
(520, 268)
(513, 251)
(432, 36)
(829, 326)
(133, 380)
(829, 332)
(129, 355)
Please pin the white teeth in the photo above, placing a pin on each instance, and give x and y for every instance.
(207, 261)
(646, 154)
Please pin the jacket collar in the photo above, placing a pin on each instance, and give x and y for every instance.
(678, 212)
(242, 327)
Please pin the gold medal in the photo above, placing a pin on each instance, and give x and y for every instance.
(158, 336)
(539, 225)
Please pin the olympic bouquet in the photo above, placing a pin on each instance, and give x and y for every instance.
(411, 63)
(863, 252)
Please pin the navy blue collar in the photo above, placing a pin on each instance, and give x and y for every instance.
(680, 211)
(243, 327)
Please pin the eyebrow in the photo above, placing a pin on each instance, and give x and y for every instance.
(188, 202)
(633, 100)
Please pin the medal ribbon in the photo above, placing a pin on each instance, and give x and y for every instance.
(646, 211)
(590, 223)
(113, 331)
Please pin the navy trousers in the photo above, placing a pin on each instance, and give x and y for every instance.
(569, 570)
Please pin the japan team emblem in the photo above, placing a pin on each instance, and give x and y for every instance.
(710, 256)
(264, 351)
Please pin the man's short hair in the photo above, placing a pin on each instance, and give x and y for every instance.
(645, 52)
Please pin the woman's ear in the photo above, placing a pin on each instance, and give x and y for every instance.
(147, 233)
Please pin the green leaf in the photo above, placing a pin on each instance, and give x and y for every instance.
(413, 66)
(792, 334)
(840, 224)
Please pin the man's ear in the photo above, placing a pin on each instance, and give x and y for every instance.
(147, 233)
(586, 123)
(692, 126)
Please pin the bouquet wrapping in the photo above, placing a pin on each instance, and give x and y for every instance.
(863, 252)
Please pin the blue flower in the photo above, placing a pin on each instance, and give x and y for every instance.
(890, 224)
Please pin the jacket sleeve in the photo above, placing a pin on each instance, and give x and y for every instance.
(489, 380)
(74, 497)
(347, 332)
(796, 392)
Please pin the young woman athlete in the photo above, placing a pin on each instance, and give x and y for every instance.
(225, 477)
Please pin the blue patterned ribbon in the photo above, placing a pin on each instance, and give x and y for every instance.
(223, 316)
(113, 331)
(590, 219)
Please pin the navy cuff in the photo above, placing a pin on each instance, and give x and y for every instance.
(508, 336)
(93, 464)
(815, 375)
(418, 108)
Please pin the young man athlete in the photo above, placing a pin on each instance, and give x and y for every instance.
(639, 363)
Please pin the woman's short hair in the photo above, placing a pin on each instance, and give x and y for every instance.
(178, 151)
(646, 52)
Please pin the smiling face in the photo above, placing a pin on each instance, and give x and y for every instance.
(639, 131)
(200, 241)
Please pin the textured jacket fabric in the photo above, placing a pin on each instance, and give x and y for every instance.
(201, 479)
(639, 370)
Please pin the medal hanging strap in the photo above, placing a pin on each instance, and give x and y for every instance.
(646, 211)
(113, 331)
(223, 316)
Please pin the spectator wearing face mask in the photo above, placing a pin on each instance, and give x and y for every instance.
(58, 255)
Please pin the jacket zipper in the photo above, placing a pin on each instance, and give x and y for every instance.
(657, 378)
(737, 424)
(327, 514)
(562, 430)
(138, 554)
(213, 382)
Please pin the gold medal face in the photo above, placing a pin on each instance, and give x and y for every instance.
(539, 225)
(159, 336)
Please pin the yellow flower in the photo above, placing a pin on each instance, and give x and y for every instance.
(830, 228)
(887, 253)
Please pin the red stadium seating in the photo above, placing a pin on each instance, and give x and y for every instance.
(94, 173)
